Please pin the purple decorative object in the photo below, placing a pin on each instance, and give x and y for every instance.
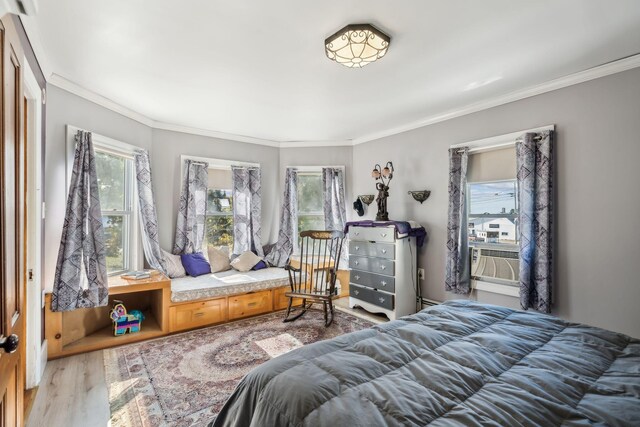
(195, 264)
(260, 265)
(402, 227)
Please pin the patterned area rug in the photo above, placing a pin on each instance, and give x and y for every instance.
(185, 379)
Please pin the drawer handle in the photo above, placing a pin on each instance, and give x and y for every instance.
(384, 251)
(381, 300)
(382, 267)
(356, 292)
(357, 248)
(356, 262)
(383, 283)
(357, 233)
(198, 315)
(252, 304)
(357, 277)
(383, 234)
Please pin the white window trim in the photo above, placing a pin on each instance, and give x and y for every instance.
(490, 144)
(110, 145)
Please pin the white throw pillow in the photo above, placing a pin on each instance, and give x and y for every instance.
(174, 265)
(219, 258)
(246, 261)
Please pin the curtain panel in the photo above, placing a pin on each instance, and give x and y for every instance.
(288, 232)
(335, 211)
(190, 226)
(147, 210)
(534, 158)
(334, 207)
(82, 241)
(247, 206)
(457, 278)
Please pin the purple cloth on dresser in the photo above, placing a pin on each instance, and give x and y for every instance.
(402, 227)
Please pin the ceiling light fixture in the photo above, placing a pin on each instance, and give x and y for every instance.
(357, 45)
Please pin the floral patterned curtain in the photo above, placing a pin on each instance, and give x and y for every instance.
(535, 219)
(335, 211)
(288, 233)
(190, 227)
(82, 241)
(247, 206)
(148, 214)
(457, 278)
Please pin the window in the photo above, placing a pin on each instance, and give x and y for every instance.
(310, 210)
(219, 214)
(493, 206)
(115, 187)
(219, 218)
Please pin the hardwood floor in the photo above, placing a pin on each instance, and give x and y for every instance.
(73, 392)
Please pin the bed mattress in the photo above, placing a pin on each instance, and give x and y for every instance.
(458, 363)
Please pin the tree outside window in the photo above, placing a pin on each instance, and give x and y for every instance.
(114, 187)
(310, 210)
(219, 217)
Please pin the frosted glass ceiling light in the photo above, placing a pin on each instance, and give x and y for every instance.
(357, 45)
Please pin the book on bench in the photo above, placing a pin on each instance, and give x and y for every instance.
(139, 274)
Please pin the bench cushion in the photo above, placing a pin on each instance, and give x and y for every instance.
(227, 283)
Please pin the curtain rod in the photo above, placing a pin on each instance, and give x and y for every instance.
(535, 138)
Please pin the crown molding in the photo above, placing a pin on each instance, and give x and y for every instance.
(609, 68)
(89, 95)
(613, 67)
(213, 134)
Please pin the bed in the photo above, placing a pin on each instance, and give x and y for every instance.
(456, 363)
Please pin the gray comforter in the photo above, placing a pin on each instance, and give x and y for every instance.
(455, 363)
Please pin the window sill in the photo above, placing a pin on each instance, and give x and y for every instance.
(496, 288)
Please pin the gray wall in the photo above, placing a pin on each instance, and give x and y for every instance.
(64, 108)
(596, 181)
(596, 154)
(168, 146)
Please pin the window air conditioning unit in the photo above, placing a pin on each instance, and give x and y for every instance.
(19, 7)
(496, 265)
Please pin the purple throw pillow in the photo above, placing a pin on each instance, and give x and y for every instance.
(260, 265)
(195, 264)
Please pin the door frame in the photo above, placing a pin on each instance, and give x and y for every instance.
(36, 348)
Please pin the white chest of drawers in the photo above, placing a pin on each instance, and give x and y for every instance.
(383, 271)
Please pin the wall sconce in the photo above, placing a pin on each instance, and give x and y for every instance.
(420, 196)
(367, 199)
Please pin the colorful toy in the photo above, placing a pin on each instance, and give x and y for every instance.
(123, 322)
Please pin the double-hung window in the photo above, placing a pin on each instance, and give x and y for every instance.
(310, 210)
(219, 215)
(115, 186)
(493, 212)
(118, 200)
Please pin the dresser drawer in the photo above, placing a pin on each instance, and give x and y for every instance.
(381, 299)
(373, 265)
(371, 249)
(249, 304)
(372, 234)
(195, 314)
(372, 280)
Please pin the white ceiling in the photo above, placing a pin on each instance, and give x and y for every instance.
(257, 68)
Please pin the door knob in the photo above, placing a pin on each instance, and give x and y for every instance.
(9, 344)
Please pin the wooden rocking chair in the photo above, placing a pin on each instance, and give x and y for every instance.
(313, 274)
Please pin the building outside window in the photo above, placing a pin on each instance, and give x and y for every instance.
(493, 212)
(310, 210)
